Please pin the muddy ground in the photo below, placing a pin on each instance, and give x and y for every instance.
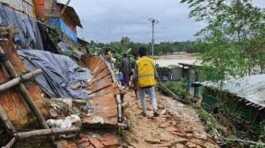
(178, 126)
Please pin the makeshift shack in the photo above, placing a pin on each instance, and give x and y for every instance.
(46, 96)
(245, 95)
(22, 22)
(19, 106)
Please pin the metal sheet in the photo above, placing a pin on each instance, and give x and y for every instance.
(251, 88)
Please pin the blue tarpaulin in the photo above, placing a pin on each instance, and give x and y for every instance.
(62, 77)
(60, 24)
(27, 32)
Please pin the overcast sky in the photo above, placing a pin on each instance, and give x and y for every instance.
(109, 20)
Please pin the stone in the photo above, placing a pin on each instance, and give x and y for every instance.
(171, 129)
(200, 135)
(160, 106)
(191, 145)
(197, 141)
(163, 112)
(152, 141)
(210, 145)
(180, 140)
(95, 142)
(85, 145)
(164, 125)
(65, 144)
(83, 140)
(97, 119)
(110, 140)
(179, 145)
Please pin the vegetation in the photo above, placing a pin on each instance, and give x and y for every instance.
(160, 48)
(177, 87)
(233, 41)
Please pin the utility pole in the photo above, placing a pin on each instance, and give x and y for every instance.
(154, 22)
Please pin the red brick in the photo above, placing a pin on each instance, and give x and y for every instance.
(96, 143)
(85, 145)
(110, 140)
(66, 144)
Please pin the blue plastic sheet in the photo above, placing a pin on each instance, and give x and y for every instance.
(62, 77)
(28, 34)
(60, 24)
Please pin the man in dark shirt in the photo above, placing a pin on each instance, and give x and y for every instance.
(126, 69)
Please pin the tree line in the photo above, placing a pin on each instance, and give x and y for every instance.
(161, 48)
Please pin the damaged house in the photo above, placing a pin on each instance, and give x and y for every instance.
(45, 96)
(60, 16)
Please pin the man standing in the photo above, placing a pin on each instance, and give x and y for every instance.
(147, 77)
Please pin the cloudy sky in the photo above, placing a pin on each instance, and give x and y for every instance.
(109, 20)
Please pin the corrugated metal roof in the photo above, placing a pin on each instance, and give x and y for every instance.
(72, 14)
(251, 88)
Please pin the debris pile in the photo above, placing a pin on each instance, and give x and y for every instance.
(26, 105)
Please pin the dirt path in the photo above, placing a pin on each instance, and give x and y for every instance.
(178, 126)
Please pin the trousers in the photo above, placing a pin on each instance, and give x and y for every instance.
(151, 92)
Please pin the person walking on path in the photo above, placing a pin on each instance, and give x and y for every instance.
(147, 78)
(126, 69)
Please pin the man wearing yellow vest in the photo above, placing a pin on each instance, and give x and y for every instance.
(146, 77)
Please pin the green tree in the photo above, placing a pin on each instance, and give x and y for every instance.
(233, 40)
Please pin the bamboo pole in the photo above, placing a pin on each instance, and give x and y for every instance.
(6, 121)
(161, 86)
(16, 81)
(46, 132)
(24, 92)
(245, 141)
(119, 108)
(10, 143)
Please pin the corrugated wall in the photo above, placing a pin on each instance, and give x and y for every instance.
(25, 6)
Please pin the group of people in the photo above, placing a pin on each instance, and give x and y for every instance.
(142, 76)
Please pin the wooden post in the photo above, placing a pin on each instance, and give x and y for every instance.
(45, 132)
(18, 80)
(119, 108)
(196, 88)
